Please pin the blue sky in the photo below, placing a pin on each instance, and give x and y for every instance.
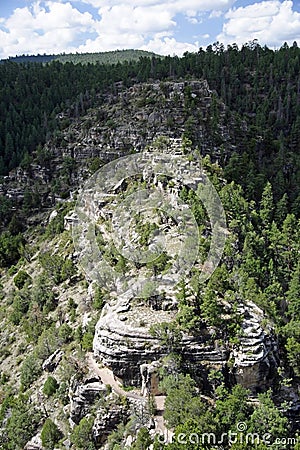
(163, 26)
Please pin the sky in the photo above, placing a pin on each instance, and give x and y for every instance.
(166, 27)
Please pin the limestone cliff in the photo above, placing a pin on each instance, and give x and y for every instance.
(124, 343)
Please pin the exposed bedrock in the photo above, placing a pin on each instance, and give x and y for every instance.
(123, 343)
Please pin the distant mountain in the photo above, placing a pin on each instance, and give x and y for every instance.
(105, 57)
(30, 58)
(112, 57)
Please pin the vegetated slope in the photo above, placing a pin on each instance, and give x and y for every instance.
(29, 58)
(260, 86)
(110, 57)
(49, 310)
(46, 304)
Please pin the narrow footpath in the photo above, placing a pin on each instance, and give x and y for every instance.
(107, 377)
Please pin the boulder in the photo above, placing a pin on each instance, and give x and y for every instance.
(52, 362)
(82, 395)
(108, 419)
(35, 443)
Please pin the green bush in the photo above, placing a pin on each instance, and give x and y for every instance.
(65, 333)
(87, 341)
(82, 435)
(20, 306)
(30, 370)
(57, 267)
(68, 270)
(12, 270)
(10, 248)
(21, 279)
(22, 424)
(98, 302)
(43, 293)
(50, 434)
(50, 387)
(143, 440)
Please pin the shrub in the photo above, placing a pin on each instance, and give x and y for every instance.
(87, 341)
(98, 302)
(30, 370)
(22, 423)
(21, 279)
(50, 434)
(65, 333)
(10, 248)
(82, 435)
(50, 387)
(20, 305)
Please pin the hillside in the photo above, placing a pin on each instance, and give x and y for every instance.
(258, 85)
(112, 57)
(129, 308)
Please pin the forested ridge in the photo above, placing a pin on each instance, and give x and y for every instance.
(259, 86)
(252, 122)
(110, 57)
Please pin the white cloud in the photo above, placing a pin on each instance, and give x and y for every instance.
(271, 22)
(51, 28)
(55, 26)
(215, 14)
(124, 18)
(169, 46)
(175, 5)
(129, 23)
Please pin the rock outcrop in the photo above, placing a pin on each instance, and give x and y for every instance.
(256, 357)
(127, 120)
(82, 396)
(108, 419)
(35, 443)
(52, 362)
(124, 343)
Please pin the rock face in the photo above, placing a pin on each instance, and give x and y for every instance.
(52, 362)
(126, 120)
(123, 342)
(83, 395)
(256, 358)
(108, 419)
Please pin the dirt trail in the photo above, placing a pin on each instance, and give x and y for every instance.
(107, 377)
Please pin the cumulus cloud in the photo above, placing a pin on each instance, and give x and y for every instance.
(137, 23)
(215, 13)
(56, 26)
(177, 6)
(271, 22)
(51, 27)
(169, 46)
(136, 19)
